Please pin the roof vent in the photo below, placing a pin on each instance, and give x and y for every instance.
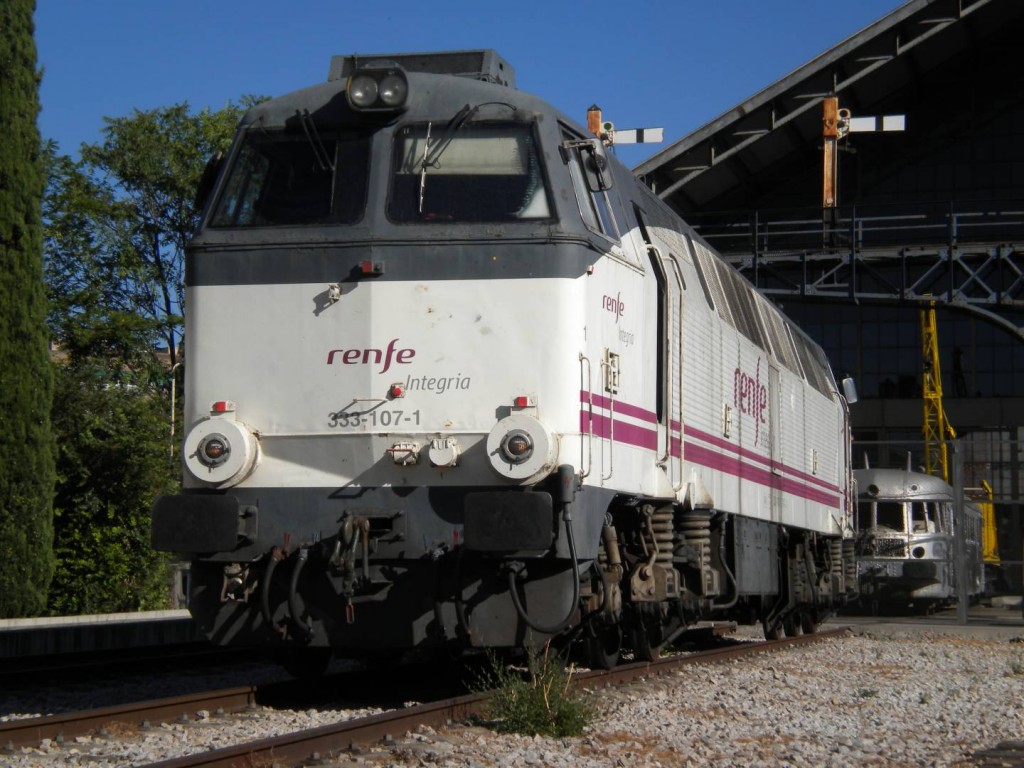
(484, 65)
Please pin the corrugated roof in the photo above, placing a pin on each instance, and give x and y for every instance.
(732, 159)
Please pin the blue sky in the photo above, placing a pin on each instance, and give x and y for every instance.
(675, 64)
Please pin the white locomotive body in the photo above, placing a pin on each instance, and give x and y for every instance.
(456, 378)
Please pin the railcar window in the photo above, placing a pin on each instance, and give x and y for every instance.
(586, 205)
(482, 173)
(595, 207)
(699, 254)
(921, 517)
(813, 365)
(890, 515)
(778, 334)
(281, 179)
(865, 515)
(739, 297)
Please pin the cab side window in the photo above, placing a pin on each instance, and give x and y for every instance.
(591, 180)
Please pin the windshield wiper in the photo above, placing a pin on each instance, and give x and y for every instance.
(431, 155)
(423, 167)
(323, 158)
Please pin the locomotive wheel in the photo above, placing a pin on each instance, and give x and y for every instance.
(807, 623)
(647, 641)
(601, 645)
(791, 624)
(773, 632)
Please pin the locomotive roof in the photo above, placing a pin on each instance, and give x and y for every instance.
(484, 78)
(486, 65)
(900, 484)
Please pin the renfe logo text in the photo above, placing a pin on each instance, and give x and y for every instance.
(614, 305)
(750, 396)
(372, 356)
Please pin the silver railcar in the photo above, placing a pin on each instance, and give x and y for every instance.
(906, 548)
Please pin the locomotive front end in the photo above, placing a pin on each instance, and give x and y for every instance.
(382, 377)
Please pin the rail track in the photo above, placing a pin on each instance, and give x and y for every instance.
(65, 726)
(301, 746)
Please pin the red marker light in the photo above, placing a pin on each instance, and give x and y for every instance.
(222, 406)
(397, 390)
(522, 401)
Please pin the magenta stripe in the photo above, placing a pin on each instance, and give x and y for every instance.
(751, 456)
(734, 466)
(631, 434)
(620, 407)
(794, 481)
(605, 403)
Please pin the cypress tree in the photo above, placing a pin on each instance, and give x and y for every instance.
(27, 473)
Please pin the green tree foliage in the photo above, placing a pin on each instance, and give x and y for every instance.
(131, 202)
(113, 460)
(117, 221)
(26, 446)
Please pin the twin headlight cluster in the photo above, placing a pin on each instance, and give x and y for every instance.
(378, 87)
(222, 452)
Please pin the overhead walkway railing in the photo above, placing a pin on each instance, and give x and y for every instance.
(969, 254)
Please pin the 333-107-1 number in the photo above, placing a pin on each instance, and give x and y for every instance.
(374, 418)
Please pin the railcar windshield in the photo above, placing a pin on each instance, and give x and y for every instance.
(282, 179)
(923, 517)
(881, 514)
(483, 172)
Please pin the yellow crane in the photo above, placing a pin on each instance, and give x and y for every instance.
(937, 431)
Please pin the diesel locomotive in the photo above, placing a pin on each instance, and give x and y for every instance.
(457, 379)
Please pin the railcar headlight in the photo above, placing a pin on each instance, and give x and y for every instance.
(516, 446)
(394, 90)
(362, 91)
(521, 448)
(220, 452)
(378, 87)
(213, 450)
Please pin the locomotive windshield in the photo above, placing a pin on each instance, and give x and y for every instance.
(484, 173)
(281, 179)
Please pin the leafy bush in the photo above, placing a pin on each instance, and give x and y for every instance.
(537, 701)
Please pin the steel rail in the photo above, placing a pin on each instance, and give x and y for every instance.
(332, 740)
(31, 731)
(667, 665)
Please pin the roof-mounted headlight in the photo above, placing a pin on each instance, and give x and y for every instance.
(394, 89)
(380, 87)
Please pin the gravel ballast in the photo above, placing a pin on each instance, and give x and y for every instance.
(876, 699)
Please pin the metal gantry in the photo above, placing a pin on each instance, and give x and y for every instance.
(966, 255)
